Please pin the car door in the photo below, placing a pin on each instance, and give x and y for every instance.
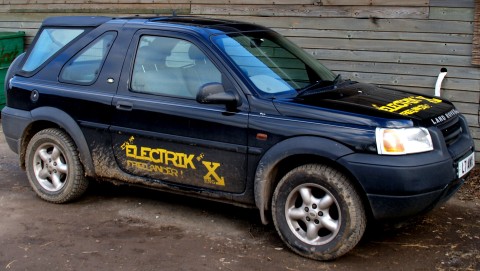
(159, 130)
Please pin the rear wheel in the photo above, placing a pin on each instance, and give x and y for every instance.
(54, 168)
(317, 212)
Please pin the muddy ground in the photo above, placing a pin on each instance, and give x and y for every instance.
(125, 228)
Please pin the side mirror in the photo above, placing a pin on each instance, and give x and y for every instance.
(214, 93)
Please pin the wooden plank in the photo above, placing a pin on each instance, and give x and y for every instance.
(453, 3)
(475, 131)
(393, 57)
(312, 11)
(451, 14)
(477, 144)
(406, 3)
(153, 8)
(414, 81)
(21, 25)
(467, 108)
(23, 17)
(461, 96)
(385, 25)
(15, 2)
(374, 2)
(28, 32)
(39, 17)
(477, 153)
(385, 46)
(476, 36)
(472, 121)
(110, 2)
(375, 35)
(254, 2)
(401, 68)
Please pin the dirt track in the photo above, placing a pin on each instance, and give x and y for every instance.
(125, 228)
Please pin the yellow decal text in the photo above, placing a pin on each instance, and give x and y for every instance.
(404, 103)
(168, 162)
(153, 168)
(415, 109)
(161, 156)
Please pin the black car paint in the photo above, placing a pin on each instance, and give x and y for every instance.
(335, 127)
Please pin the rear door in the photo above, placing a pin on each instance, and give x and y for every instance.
(161, 132)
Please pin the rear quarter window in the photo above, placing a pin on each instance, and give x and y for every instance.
(50, 41)
(84, 68)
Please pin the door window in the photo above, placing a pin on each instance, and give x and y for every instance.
(172, 67)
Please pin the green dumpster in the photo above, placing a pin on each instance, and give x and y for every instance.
(11, 45)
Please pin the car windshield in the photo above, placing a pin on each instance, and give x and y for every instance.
(274, 65)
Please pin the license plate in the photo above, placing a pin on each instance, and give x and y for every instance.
(465, 165)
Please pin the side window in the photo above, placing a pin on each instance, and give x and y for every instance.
(172, 67)
(179, 56)
(85, 67)
(50, 41)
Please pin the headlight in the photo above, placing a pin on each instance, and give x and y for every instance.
(403, 141)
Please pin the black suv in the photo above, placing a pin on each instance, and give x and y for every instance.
(233, 112)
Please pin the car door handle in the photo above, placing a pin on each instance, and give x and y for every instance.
(125, 106)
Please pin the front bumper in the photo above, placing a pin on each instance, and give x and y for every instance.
(403, 186)
(393, 207)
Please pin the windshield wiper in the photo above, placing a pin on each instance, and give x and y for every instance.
(336, 80)
(328, 87)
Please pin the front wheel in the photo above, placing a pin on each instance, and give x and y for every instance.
(54, 168)
(317, 212)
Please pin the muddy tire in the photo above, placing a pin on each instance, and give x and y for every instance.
(54, 168)
(317, 212)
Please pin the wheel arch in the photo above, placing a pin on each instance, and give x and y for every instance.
(12, 69)
(289, 154)
(49, 117)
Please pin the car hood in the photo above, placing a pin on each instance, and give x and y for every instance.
(359, 99)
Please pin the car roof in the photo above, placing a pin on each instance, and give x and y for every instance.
(65, 21)
(190, 22)
(209, 23)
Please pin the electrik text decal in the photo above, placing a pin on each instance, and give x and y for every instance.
(169, 162)
(421, 103)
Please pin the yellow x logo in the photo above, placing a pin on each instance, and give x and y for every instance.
(212, 177)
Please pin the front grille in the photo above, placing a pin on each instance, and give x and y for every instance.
(451, 131)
